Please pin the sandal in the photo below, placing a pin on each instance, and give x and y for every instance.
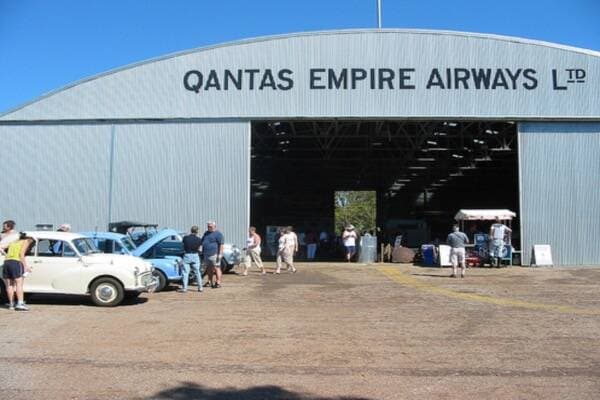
(216, 286)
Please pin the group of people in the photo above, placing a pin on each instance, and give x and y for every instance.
(457, 241)
(210, 245)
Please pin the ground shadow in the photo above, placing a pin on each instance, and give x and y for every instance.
(73, 300)
(192, 391)
(441, 275)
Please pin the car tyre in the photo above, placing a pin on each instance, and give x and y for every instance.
(162, 280)
(107, 292)
(226, 267)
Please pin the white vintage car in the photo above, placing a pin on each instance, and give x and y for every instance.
(69, 263)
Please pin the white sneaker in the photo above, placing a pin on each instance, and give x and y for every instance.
(21, 307)
(10, 306)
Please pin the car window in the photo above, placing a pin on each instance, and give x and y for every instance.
(85, 246)
(54, 248)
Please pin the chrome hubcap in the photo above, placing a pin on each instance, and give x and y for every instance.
(106, 293)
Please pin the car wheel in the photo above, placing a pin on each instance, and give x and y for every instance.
(162, 280)
(225, 267)
(107, 292)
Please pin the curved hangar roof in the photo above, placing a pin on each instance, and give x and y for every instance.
(363, 73)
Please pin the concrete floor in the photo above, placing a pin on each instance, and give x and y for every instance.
(330, 331)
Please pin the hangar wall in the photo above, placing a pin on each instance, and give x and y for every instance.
(46, 167)
(560, 190)
(173, 174)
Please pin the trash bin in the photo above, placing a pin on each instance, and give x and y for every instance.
(428, 253)
(368, 249)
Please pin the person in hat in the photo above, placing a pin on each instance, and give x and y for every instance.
(350, 239)
(57, 246)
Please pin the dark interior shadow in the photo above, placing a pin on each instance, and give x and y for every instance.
(192, 391)
(73, 300)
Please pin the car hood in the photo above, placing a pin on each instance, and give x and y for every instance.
(156, 238)
(119, 260)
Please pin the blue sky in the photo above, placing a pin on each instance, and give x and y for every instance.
(45, 45)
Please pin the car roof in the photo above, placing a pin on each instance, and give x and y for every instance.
(104, 235)
(54, 235)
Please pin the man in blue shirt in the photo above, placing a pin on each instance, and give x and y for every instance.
(212, 250)
(191, 258)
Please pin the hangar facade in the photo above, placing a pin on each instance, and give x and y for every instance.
(263, 131)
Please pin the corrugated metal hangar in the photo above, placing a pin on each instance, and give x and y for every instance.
(263, 131)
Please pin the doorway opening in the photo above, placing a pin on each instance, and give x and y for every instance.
(422, 173)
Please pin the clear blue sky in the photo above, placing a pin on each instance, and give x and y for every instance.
(46, 44)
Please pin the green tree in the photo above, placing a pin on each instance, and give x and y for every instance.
(357, 208)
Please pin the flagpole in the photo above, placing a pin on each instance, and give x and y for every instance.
(379, 14)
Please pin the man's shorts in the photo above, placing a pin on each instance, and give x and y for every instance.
(13, 269)
(211, 261)
(457, 255)
(497, 248)
(351, 249)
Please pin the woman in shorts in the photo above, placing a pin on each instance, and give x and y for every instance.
(15, 266)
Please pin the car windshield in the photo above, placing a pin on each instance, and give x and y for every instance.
(127, 243)
(85, 246)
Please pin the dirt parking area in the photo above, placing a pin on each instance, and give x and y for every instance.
(330, 331)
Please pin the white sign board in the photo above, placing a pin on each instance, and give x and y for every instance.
(541, 255)
(444, 255)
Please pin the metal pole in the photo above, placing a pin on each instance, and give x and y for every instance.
(379, 14)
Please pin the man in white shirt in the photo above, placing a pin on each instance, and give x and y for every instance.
(349, 237)
(287, 246)
(497, 232)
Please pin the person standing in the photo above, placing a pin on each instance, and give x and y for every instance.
(287, 246)
(14, 269)
(311, 245)
(349, 238)
(497, 232)
(212, 250)
(253, 251)
(8, 235)
(57, 246)
(191, 259)
(457, 241)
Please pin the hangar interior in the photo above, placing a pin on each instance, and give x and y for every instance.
(421, 170)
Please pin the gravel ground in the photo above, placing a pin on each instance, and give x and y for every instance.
(330, 331)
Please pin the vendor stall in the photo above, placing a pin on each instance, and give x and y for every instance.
(479, 253)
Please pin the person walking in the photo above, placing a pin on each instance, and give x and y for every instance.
(212, 252)
(457, 241)
(14, 269)
(497, 232)
(191, 259)
(349, 238)
(287, 246)
(253, 251)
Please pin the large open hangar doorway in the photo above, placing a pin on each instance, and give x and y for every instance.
(423, 172)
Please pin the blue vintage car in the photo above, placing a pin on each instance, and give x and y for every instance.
(166, 268)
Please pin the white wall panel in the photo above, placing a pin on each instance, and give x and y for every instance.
(181, 174)
(560, 190)
(55, 174)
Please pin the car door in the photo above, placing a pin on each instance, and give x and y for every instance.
(56, 268)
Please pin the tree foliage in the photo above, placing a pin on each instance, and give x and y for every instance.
(357, 208)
